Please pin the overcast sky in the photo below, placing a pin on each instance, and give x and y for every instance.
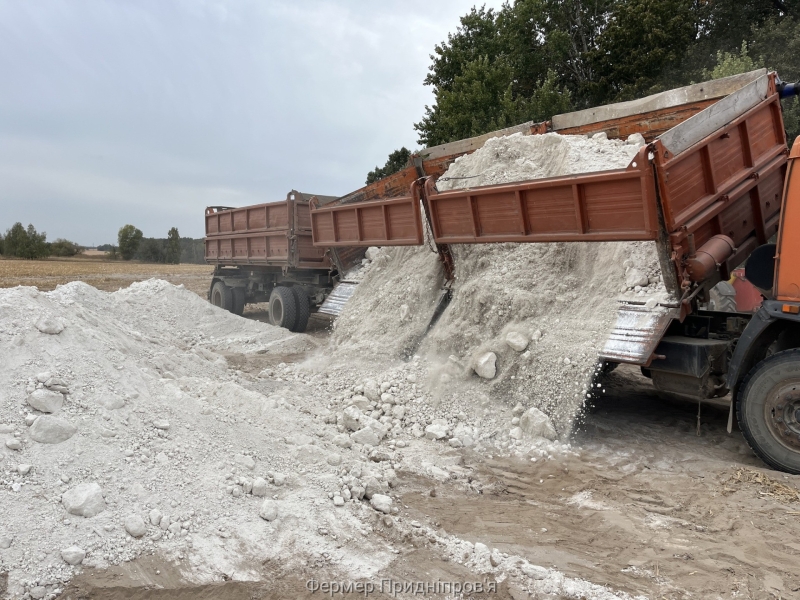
(146, 111)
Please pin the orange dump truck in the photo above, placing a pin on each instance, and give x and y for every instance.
(265, 253)
(712, 186)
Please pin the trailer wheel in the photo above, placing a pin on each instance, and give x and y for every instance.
(283, 308)
(303, 309)
(768, 410)
(238, 302)
(221, 295)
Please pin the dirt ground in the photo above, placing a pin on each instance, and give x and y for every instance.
(646, 506)
(103, 274)
(654, 502)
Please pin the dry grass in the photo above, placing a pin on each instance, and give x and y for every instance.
(766, 486)
(103, 274)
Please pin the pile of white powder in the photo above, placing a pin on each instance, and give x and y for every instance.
(126, 428)
(531, 318)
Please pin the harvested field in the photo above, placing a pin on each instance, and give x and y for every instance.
(103, 274)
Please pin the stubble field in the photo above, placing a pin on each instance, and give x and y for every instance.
(107, 275)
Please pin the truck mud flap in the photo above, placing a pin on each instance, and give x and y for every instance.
(336, 300)
(637, 332)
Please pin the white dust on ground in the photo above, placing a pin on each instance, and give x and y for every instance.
(212, 469)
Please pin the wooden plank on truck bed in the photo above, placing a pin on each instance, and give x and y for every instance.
(473, 143)
(696, 128)
(686, 95)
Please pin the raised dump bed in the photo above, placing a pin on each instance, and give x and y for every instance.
(718, 172)
(707, 191)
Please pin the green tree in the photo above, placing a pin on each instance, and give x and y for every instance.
(731, 63)
(129, 238)
(397, 161)
(193, 251)
(776, 45)
(477, 36)
(2, 240)
(482, 100)
(173, 252)
(642, 39)
(16, 240)
(152, 250)
(557, 36)
(25, 243)
(36, 244)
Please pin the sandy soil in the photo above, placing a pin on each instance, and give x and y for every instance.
(103, 274)
(647, 506)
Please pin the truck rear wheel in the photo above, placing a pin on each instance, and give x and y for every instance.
(303, 309)
(768, 410)
(221, 295)
(283, 308)
(238, 302)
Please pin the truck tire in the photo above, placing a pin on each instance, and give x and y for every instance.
(221, 295)
(283, 308)
(722, 297)
(303, 309)
(768, 410)
(238, 302)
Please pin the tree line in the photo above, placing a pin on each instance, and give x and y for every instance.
(532, 59)
(172, 250)
(22, 242)
(27, 242)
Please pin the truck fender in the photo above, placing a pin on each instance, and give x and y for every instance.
(770, 312)
(757, 325)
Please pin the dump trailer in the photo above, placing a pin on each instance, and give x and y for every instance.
(711, 190)
(265, 253)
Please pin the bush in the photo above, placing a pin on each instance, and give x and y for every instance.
(62, 247)
(152, 250)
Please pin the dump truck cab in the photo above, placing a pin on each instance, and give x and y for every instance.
(764, 371)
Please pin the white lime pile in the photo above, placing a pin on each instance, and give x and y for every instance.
(124, 430)
(527, 320)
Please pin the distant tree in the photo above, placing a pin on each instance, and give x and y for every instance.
(152, 250)
(129, 238)
(62, 247)
(104, 247)
(397, 161)
(25, 243)
(2, 239)
(16, 240)
(37, 244)
(173, 251)
(193, 251)
(112, 252)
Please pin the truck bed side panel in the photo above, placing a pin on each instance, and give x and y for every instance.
(609, 205)
(393, 222)
(728, 183)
